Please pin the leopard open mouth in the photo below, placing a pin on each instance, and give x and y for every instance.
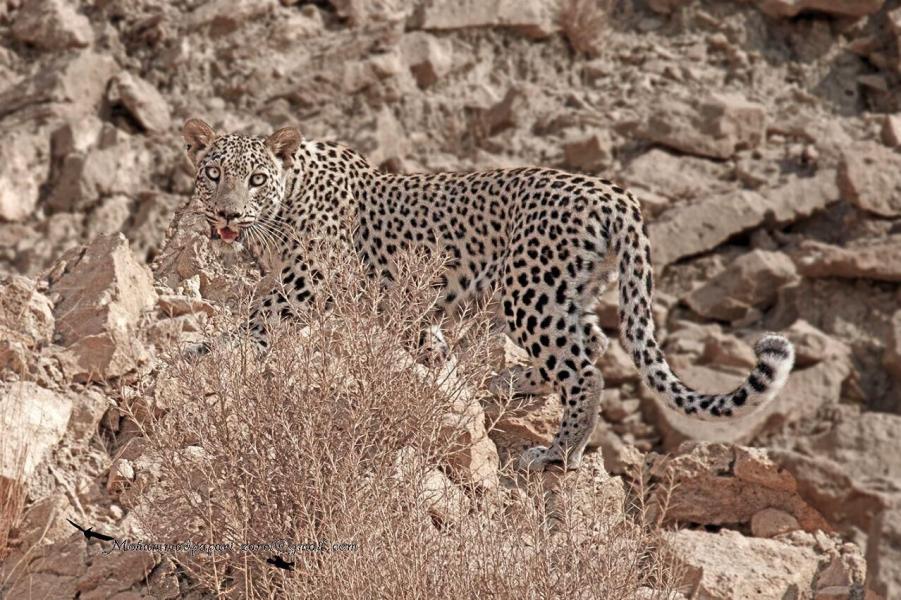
(226, 234)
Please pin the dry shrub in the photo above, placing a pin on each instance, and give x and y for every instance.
(331, 439)
(583, 23)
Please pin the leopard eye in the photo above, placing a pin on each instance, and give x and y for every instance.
(212, 173)
(257, 179)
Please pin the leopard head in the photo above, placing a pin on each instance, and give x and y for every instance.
(239, 179)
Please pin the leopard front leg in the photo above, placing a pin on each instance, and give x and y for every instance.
(286, 298)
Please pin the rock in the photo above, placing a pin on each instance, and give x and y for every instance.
(868, 178)
(755, 568)
(805, 393)
(879, 260)
(617, 365)
(771, 522)
(666, 6)
(828, 488)
(103, 293)
(727, 350)
(26, 322)
(110, 216)
(532, 18)
(33, 420)
(85, 178)
(884, 551)
(26, 315)
(52, 25)
(503, 114)
(839, 8)
(476, 460)
(716, 127)
(224, 16)
(751, 282)
(698, 227)
(892, 356)
(436, 493)
(863, 446)
(142, 100)
(428, 57)
(891, 130)
(675, 177)
(172, 305)
(121, 474)
(73, 84)
(813, 346)
(390, 144)
(590, 154)
(717, 484)
(23, 169)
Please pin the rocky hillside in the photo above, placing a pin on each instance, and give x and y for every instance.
(762, 137)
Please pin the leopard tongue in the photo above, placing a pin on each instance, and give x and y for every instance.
(228, 235)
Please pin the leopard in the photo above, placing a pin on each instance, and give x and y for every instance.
(540, 240)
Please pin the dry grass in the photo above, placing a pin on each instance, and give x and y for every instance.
(332, 438)
(12, 485)
(584, 22)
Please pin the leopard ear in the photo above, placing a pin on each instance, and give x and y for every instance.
(283, 143)
(198, 138)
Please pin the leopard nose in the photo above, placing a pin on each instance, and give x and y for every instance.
(228, 216)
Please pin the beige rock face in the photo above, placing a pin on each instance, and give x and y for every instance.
(718, 127)
(142, 100)
(589, 153)
(75, 84)
(892, 357)
(868, 176)
(476, 461)
(884, 551)
(52, 25)
(700, 226)
(33, 420)
(429, 57)
(729, 566)
(813, 346)
(720, 484)
(26, 321)
(880, 261)
(23, 168)
(103, 292)
(752, 281)
(771, 522)
(530, 17)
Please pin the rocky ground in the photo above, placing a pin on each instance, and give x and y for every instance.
(761, 135)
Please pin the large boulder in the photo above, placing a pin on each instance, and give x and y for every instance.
(716, 127)
(533, 18)
(721, 484)
(869, 176)
(103, 291)
(33, 420)
(23, 169)
(701, 226)
(142, 100)
(52, 25)
(26, 320)
(750, 283)
(729, 566)
(879, 260)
